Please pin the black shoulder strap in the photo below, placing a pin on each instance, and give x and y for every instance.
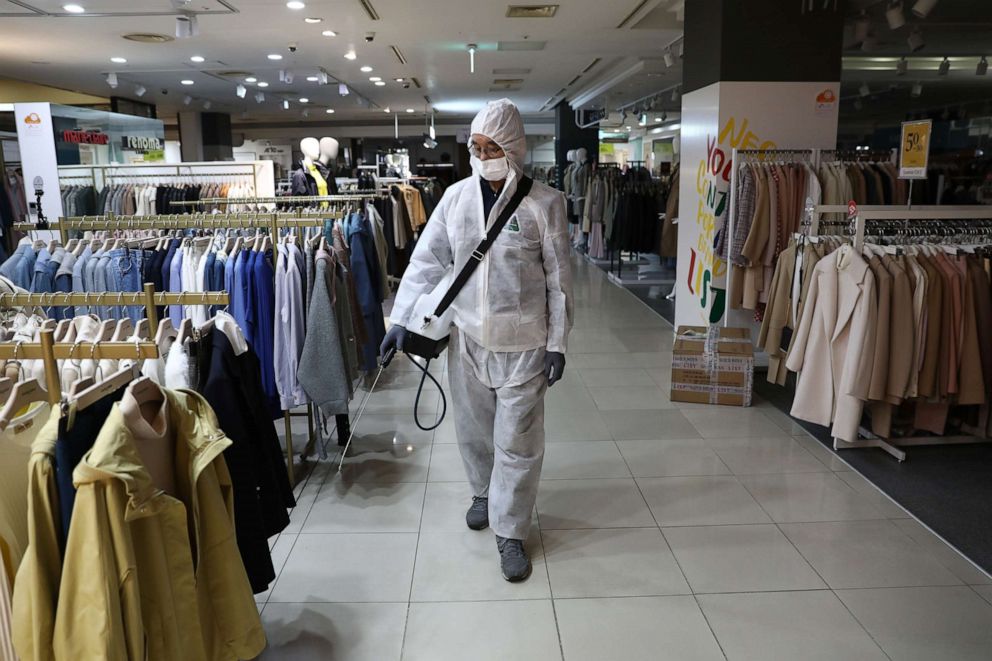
(523, 189)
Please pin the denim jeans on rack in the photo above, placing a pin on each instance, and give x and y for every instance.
(124, 275)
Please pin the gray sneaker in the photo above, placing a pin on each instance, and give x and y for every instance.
(513, 559)
(477, 516)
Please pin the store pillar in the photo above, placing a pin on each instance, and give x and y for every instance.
(762, 74)
(206, 136)
(569, 136)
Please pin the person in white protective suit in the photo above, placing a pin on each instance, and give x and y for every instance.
(512, 321)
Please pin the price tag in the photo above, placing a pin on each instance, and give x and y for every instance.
(914, 149)
(852, 210)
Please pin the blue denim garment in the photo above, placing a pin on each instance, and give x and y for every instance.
(229, 276)
(240, 303)
(101, 284)
(176, 285)
(63, 283)
(89, 276)
(11, 269)
(27, 269)
(78, 277)
(40, 282)
(124, 275)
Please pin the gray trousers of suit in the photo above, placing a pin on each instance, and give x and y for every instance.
(498, 402)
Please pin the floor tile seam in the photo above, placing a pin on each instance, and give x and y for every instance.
(282, 568)
(416, 553)
(709, 626)
(861, 624)
(973, 587)
(319, 488)
(947, 544)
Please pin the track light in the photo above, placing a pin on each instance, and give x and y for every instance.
(917, 90)
(286, 76)
(902, 66)
(112, 80)
(915, 39)
(862, 27)
(139, 90)
(894, 15)
(207, 105)
(471, 57)
(342, 89)
(922, 7)
(187, 100)
(864, 90)
(675, 94)
(682, 48)
(669, 58)
(306, 113)
(983, 67)
(259, 97)
(187, 26)
(285, 104)
(241, 91)
(945, 66)
(322, 78)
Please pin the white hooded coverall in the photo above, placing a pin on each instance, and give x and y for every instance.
(515, 307)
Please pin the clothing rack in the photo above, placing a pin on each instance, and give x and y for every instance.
(349, 197)
(739, 156)
(857, 227)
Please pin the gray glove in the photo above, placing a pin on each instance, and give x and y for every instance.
(554, 366)
(395, 337)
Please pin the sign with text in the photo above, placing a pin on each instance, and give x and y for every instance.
(914, 149)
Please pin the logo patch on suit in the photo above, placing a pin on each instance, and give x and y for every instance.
(513, 226)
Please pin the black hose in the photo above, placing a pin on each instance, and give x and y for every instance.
(416, 406)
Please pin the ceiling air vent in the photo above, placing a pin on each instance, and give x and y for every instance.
(511, 71)
(521, 45)
(232, 74)
(398, 53)
(148, 38)
(592, 64)
(369, 9)
(515, 82)
(572, 82)
(531, 11)
(428, 99)
(416, 83)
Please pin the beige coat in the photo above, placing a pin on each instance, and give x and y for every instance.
(834, 345)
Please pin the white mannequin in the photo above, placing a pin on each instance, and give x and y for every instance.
(570, 156)
(328, 150)
(311, 151)
(581, 155)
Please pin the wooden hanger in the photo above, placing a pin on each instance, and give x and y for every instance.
(62, 330)
(24, 394)
(98, 391)
(79, 385)
(165, 331)
(6, 386)
(124, 331)
(145, 391)
(185, 331)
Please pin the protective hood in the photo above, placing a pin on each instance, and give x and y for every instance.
(500, 121)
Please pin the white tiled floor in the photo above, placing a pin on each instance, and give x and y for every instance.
(663, 531)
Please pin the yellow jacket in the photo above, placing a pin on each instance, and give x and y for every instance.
(148, 575)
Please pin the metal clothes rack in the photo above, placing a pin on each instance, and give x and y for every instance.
(862, 217)
(286, 199)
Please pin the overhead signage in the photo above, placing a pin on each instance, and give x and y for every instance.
(616, 139)
(85, 137)
(140, 143)
(914, 149)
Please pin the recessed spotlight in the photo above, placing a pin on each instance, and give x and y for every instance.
(380, 83)
(304, 99)
(118, 60)
(409, 110)
(241, 91)
(296, 4)
(374, 79)
(400, 80)
(112, 80)
(350, 55)
(386, 109)
(263, 84)
(330, 111)
(139, 90)
(74, 9)
(329, 33)
(312, 20)
(187, 82)
(366, 69)
(187, 100)
(275, 56)
(251, 79)
(259, 97)
(198, 59)
(313, 79)
(285, 105)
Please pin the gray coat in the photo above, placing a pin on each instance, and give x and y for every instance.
(323, 372)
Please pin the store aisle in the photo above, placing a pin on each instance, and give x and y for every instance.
(663, 531)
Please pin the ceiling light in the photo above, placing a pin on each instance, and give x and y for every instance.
(627, 128)
(922, 7)
(945, 66)
(350, 55)
(187, 81)
(400, 80)
(304, 99)
(263, 84)
(251, 79)
(198, 59)
(112, 80)
(323, 78)
(312, 20)
(330, 111)
(187, 26)
(187, 100)
(342, 89)
(915, 39)
(409, 110)
(139, 90)
(669, 58)
(862, 27)
(902, 66)
(386, 109)
(864, 90)
(74, 9)
(329, 33)
(285, 104)
(274, 56)
(658, 120)
(983, 67)
(118, 60)
(894, 15)
(241, 91)
(917, 90)
(259, 97)
(286, 76)
(313, 79)
(296, 4)
(306, 113)
(374, 79)
(366, 69)
(207, 105)
(471, 57)
(380, 83)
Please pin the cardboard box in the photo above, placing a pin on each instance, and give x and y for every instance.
(712, 365)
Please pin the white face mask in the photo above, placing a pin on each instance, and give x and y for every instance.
(493, 169)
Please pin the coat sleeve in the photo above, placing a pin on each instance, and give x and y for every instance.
(860, 357)
(556, 251)
(431, 259)
(797, 353)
